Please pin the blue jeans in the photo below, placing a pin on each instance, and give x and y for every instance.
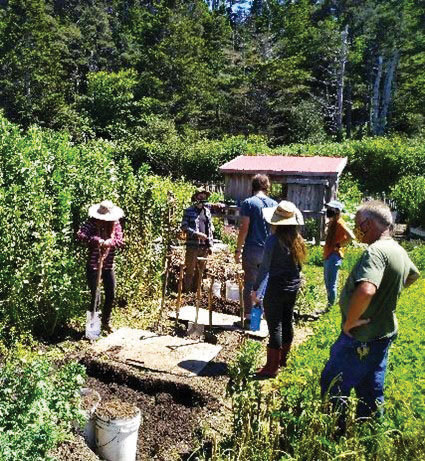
(331, 267)
(251, 260)
(347, 369)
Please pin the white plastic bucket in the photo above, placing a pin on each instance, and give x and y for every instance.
(93, 325)
(216, 289)
(116, 439)
(232, 291)
(88, 431)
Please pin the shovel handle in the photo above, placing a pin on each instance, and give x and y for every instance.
(98, 278)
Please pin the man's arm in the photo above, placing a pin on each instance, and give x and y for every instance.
(359, 302)
(243, 231)
(411, 278)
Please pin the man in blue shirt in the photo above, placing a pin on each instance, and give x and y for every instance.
(253, 232)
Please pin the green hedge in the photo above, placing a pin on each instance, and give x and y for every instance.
(47, 185)
(409, 193)
(39, 403)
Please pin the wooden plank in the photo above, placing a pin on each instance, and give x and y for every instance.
(306, 181)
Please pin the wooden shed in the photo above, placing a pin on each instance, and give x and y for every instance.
(309, 182)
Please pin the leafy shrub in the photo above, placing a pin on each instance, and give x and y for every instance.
(47, 185)
(417, 255)
(351, 256)
(409, 194)
(315, 255)
(38, 405)
(311, 229)
(349, 192)
(376, 163)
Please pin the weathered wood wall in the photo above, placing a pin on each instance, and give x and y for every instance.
(308, 194)
(238, 186)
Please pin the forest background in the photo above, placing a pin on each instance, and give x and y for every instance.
(292, 71)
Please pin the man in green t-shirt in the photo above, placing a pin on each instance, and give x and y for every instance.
(358, 358)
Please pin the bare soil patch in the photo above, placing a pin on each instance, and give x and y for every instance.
(173, 408)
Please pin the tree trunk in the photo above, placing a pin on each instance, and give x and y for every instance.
(374, 116)
(387, 91)
(340, 81)
(348, 111)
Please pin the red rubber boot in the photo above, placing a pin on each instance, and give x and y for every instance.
(272, 366)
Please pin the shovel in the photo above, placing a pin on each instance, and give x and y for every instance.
(93, 326)
(193, 329)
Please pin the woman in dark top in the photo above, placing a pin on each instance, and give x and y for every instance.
(284, 253)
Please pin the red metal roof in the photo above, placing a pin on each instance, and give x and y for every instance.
(284, 165)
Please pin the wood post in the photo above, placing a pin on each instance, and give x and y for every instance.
(201, 267)
(241, 301)
(179, 291)
(210, 293)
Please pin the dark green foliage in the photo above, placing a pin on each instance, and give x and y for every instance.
(409, 193)
(39, 403)
(47, 185)
(292, 71)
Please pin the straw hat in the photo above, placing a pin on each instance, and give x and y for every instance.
(200, 190)
(285, 214)
(106, 211)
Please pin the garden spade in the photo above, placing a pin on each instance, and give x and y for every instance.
(193, 329)
(93, 326)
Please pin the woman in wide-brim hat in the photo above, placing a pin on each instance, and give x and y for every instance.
(284, 253)
(102, 233)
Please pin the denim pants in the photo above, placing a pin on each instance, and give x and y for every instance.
(331, 267)
(108, 278)
(350, 368)
(251, 260)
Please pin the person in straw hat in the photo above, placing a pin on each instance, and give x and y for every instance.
(198, 226)
(102, 233)
(284, 253)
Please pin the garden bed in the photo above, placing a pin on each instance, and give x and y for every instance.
(173, 408)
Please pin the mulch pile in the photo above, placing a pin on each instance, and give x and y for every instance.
(221, 264)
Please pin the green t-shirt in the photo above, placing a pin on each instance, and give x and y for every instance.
(385, 264)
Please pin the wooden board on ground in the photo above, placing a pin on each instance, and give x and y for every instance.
(168, 354)
(224, 321)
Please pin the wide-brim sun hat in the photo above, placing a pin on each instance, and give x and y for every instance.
(200, 190)
(284, 214)
(106, 211)
(335, 204)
